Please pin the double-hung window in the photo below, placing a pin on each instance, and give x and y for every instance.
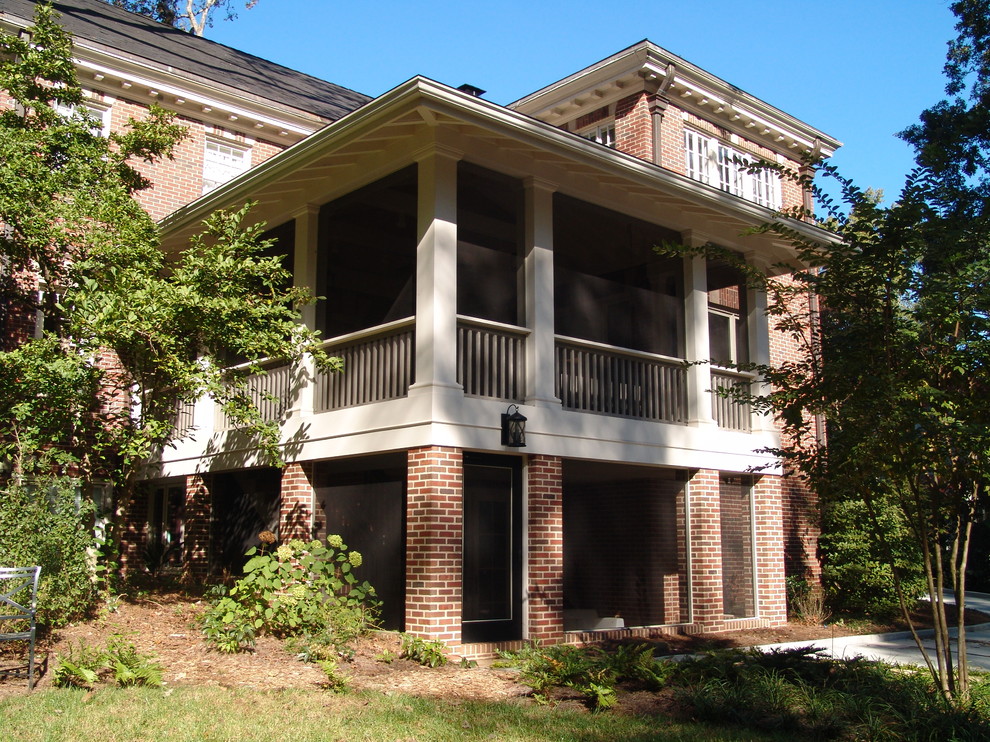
(223, 162)
(710, 161)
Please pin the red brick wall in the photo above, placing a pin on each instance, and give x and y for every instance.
(434, 528)
(634, 126)
(296, 509)
(546, 549)
(17, 314)
(798, 502)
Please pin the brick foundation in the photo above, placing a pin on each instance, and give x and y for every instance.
(296, 519)
(706, 549)
(545, 590)
(196, 532)
(434, 529)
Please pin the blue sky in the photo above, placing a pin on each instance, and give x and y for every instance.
(860, 70)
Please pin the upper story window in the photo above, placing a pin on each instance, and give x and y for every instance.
(222, 162)
(603, 134)
(99, 113)
(711, 161)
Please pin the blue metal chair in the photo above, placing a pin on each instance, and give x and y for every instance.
(18, 606)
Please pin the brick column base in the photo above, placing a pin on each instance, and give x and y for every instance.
(295, 518)
(771, 589)
(545, 585)
(705, 536)
(434, 528)
(196, 528)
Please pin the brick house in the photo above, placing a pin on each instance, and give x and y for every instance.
(477, 261)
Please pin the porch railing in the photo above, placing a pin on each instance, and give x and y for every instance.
(491, 359)
(729, 413)
(271, 393)
(378, 366)
(594, 378)
(184, 417)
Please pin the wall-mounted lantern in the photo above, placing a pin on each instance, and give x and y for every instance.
(513, 428)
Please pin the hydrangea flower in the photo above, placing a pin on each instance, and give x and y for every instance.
(284, 552)
(355, 558)
(335, 541)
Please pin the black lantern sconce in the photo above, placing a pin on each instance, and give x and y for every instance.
(513, 428)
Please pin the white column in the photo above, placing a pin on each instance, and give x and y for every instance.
(307, 222)
(696, 348)
(539, 296)
(436, 274)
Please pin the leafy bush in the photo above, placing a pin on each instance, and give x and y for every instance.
(44, 522)
(591, 671)
(815, 698)
(298, 590)
(427, 652)
(85, 666)
(856, 573)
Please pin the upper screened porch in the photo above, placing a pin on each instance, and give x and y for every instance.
(467, 265)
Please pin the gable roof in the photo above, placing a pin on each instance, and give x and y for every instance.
(99, 23)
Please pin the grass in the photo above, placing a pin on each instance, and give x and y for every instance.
(219, 714)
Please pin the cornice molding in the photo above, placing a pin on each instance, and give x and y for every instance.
(143, 81)
(646, 67)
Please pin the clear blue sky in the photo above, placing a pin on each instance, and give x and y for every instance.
(860, 70)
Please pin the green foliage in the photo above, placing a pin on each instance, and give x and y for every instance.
(298, 590)
(167, 324)
(46, 522)
(856, 570)
(591, 671)
(335, 681)
(427, 652)
(809, 697)
(119, 662)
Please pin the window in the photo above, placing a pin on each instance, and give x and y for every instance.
(728, 329)
(603, 134)
(166, 527)
(710, 161)
(223, 162)
(49, 312)
(98, 112)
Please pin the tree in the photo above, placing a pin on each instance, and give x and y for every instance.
(892, 316)
(189, 15)
(140, 334)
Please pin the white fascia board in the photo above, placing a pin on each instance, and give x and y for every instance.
(420, 92)
(182, 85)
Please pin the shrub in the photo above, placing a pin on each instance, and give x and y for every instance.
(856, 573)
(119, 661)
(45, 522)
(591, 671)
(298, 590)
(427, 652)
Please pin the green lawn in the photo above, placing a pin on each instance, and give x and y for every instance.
(214, 714)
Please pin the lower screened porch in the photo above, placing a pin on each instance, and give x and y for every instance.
(484, 550)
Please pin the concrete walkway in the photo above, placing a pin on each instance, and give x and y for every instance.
(899, 648)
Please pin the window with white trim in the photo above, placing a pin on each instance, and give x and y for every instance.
(99, 113)
(223, 162)
(603, 134)
(710, 161)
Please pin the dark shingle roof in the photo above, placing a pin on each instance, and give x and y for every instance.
(133, 34)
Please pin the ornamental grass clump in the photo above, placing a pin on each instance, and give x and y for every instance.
(299, 589)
